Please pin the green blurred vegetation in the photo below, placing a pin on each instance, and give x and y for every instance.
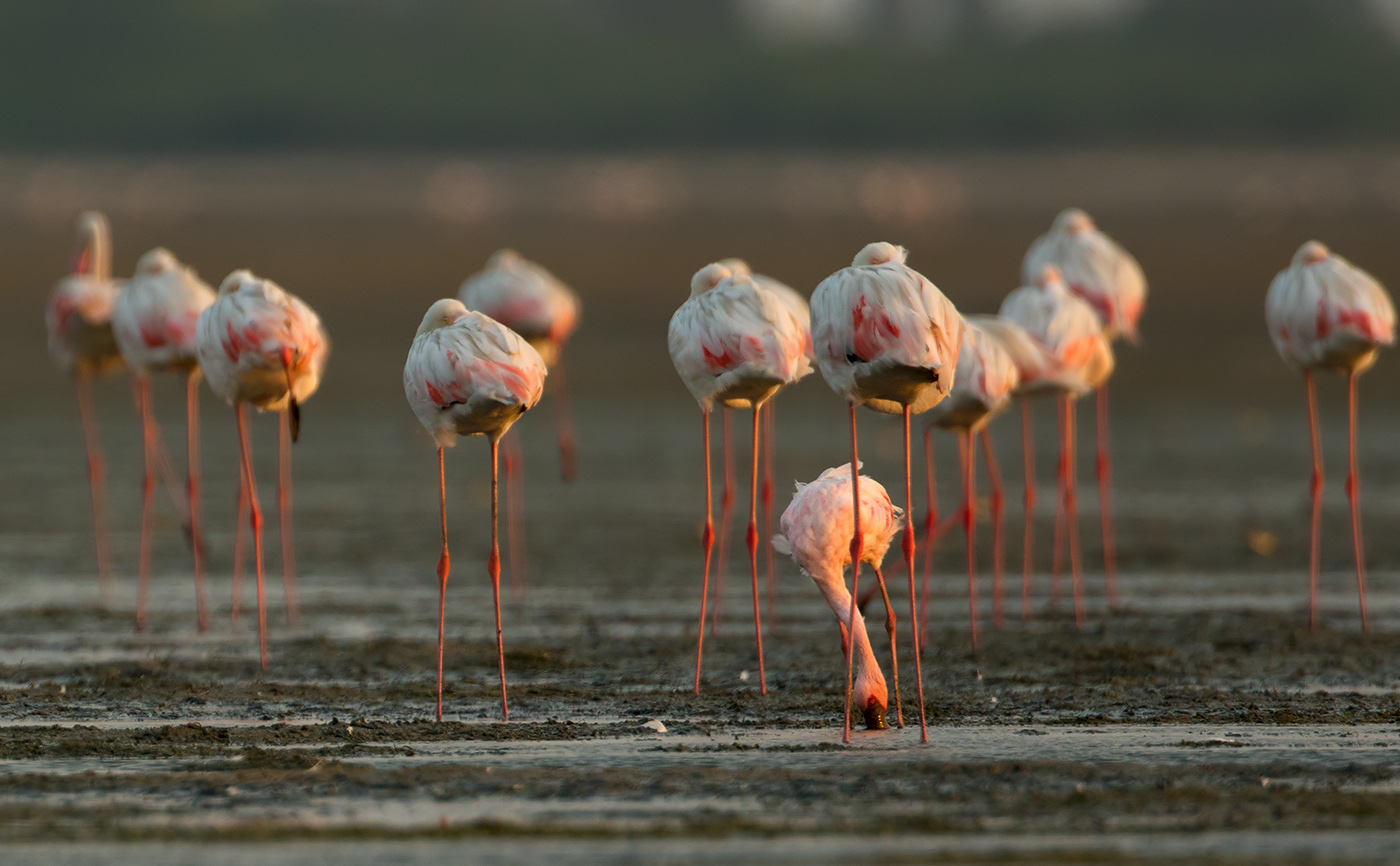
(569, 74)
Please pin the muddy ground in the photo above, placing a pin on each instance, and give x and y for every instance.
(1199, 719)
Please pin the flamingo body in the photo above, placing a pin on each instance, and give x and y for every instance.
(1324, 312)
(1067, 328)
(986, 376)
(1095, 267)
(78, 314)
(156, 313)
(526, 298)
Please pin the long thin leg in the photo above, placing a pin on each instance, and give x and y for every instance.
(770, 421)
(148, 483)
(515, 516)
(968, 455)
(726, 505)
(256, 520)
(493, 568)
(894, 647)
(707, 542)
(1061, 481)
(165, 472)
(444, 568)
(1314, 550)
(1354, 495)
(1028, 540)
(568, 463)
(998, 501)
(284, 514)
(1104, 470)
(242, 508)
(913, 602)
(97, 477)
(192, 493)
(857, 547)
(1072, 515)
(930, 520)
(752, 538)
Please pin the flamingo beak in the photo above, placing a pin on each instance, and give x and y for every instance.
(293, 407)
(874, 716)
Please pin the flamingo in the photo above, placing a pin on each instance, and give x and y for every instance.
(469, 375)
(154, 320)
(797, 305)
(986, 375)
(885, 337)
(1324, 313)
(1079, 355)
(260, 344)
(734, 343)
(1105, 275)
(78, 317)
(815, 528)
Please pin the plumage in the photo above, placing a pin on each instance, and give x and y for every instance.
(78, 315)
(156, 312)
(1323, 311)
(986, 376)
(526, 298)
(883, 335)
(1068, 329)
(1095, 267)
(789, 297)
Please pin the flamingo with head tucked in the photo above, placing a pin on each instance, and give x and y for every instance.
(262, 345)
(78, 316)
(469, 375)
(885, 337)
(1324, 313)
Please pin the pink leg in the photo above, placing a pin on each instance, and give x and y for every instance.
(998, 508)
(242, 508)
(192, 494)
(1028, 540)
(857, 548)
(770, 420)
(913, 605)
(930, 520)
(256, 520)
(967, 455)
(568, 465)
(1354, 497)
(1104, 470)
(1061, 480)
(443, 569)
(1072, 516)
(726, 505)
(1315, 488)
(493, 568)
(284, 515)
(515, 517)
(707, 542)
(148, 483)
(165, 471)
(97, 476)
(890, 624)
(751, 536)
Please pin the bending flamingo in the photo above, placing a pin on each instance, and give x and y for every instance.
(1105, 275)
(1324, 313)
(886, 338)
(982, 386)
(78, 317)
(469, 375)
(1080, 359)
(262, 345)
(154, 319)
(734, 343)
(815, 530)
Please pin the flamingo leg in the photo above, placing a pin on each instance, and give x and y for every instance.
(1072, 516)
(967, 455)
(568, 463)
(908, 542)
(894, 650)
(998, 502)
(1104, 470)
(726, 505)
(1028, 540)
(1315, 488)
(444, 567)
(751, 536)
(766, 495)
(165, 471)
(515, 515)
(1354, 497)
(97, 477)
(284, 514)
(707, 542)
(242, 508)
(930, 520)
(192, 493)
(857, 547)
(1061, 481)
(255, 521)
(493, 568)
(148, 482)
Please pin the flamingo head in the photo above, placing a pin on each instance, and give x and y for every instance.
(1073, 221)
(94, 243)
(157, 261)
(1050, 277)
(238, 281)
(737, 266)
(872, 699)
(442, 314)
(708, 277)
(879, 253)
(1312, 253)
(504, 260)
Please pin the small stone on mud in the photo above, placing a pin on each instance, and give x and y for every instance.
(743, 676)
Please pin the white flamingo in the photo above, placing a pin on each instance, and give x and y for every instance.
(815, 530)
(1324, 313)
(469, 375)
(885, 337)
(1105, 275)
(154, 318)
(734, 343)
(262, 345)
(78, 317)
(1081, 360)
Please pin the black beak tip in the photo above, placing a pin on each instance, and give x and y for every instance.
(294, 417)
(875, 717)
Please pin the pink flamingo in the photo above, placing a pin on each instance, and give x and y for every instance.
(154, 320)
(885, 337)
(262, 345)
(1078, 358)
(78, 317)
(1324, 313)
(734, 343)
(1105, 275)
(815, 529)
(469, 375)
